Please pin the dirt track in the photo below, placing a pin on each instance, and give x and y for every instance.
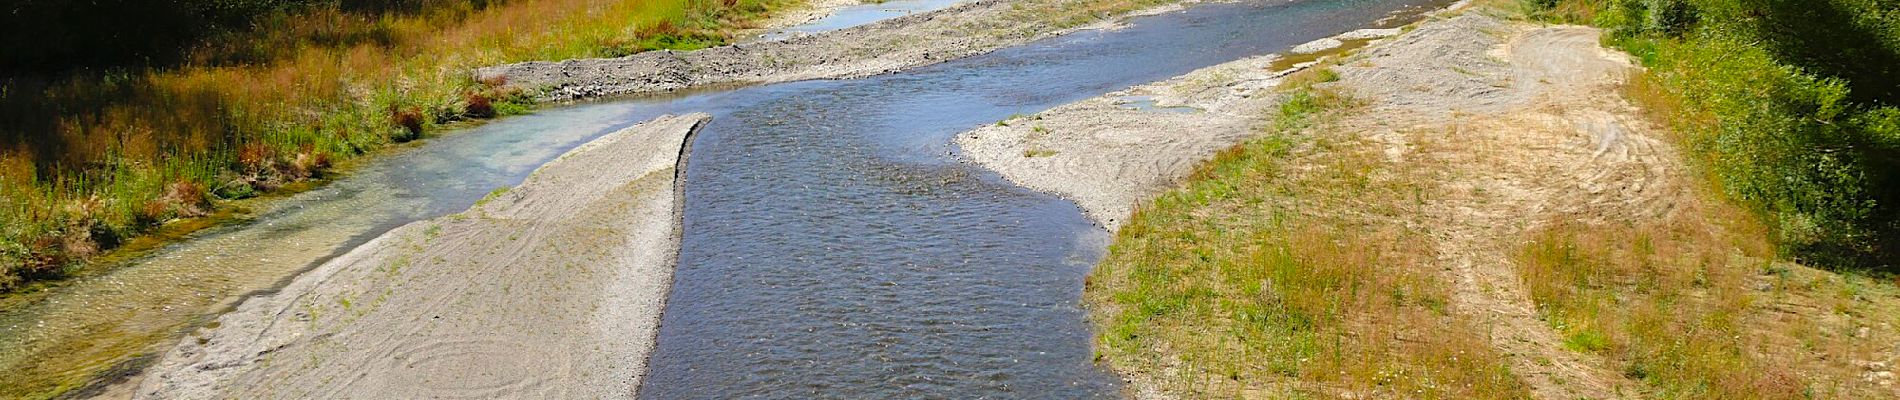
(1519, 124)
(550, 290)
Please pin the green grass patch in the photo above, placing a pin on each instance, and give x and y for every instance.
(1789, 106)
(1664, 302)
(1253, 280)
(275, 94)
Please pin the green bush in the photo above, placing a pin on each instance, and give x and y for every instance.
(1635, 18)
(1788, 106)
(1541, 5)
(1670, 17)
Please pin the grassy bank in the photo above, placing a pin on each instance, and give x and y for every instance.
(1696, 306)
(1785, 111)
(274, 94)
(1693, 282)
(1789, 106)
(1256, 280)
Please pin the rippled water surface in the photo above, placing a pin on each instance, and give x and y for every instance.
(834, 248)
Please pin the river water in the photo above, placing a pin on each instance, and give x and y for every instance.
(833, 246)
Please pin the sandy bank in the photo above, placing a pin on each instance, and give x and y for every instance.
(552, 289)
(972, 28)
(1107, 153)
(1113, 151)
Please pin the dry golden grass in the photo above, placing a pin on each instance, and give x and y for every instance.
(320, 85)
(1701, 304)
(1276, 271)
(1697, 306)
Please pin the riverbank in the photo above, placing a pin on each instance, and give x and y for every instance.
(1468, 210)
(1116, 150)
(1111, 152)
(557, 283)
(972, 28)
(98, 157)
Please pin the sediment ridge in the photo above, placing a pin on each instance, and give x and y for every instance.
(552, 289)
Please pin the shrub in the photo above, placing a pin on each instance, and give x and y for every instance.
(186, 199)
(478, 105)
(1633, 18)
(410, 121)
(255, 158)
(1670, 17)
(1782, 102)
(1541, 5)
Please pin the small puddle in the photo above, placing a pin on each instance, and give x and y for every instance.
(850, 16)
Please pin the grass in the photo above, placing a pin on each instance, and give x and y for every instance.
(1280, 255)
(1034, 153)
(95, 158)
(1292, 60)
(1255, 280)
(1709, 302)
(1663, 300)
(1696, 305)
(1792, 107)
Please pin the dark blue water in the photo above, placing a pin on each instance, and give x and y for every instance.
(834, 248)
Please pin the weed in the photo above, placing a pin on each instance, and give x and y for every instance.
(410, 120)
(1789, 106)
(478, 105)
(1033, 153)
(492, 195)
(1253, 277)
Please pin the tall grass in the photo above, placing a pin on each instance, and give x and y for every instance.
(1790, 105)
(1665, 301)
(1697, 306)
(91, 158)
(1255, 280)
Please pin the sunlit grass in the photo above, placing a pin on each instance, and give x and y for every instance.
(91, 153)
(1703, 303)
(1695, 305)
(1789, 106)
(1256, 280)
